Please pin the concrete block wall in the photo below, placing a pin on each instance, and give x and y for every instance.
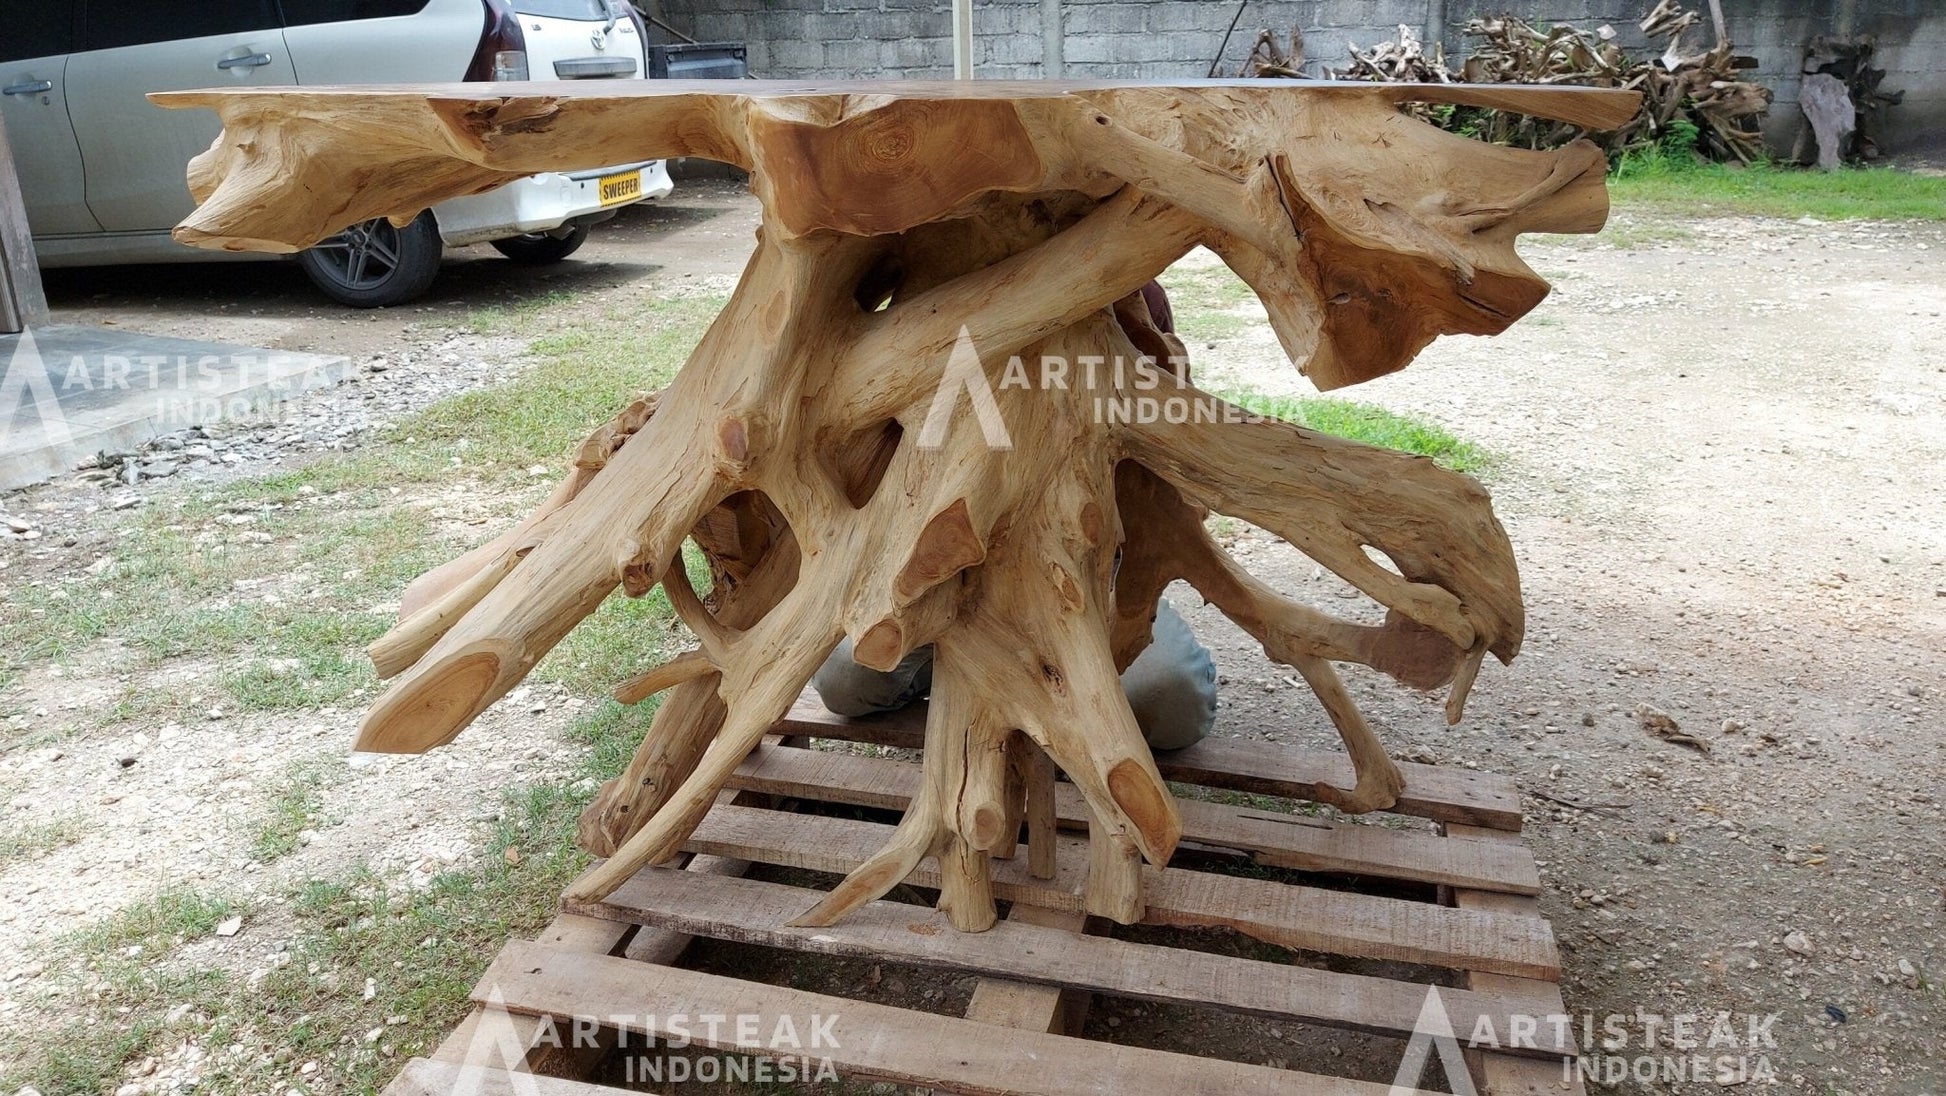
(1177, 39)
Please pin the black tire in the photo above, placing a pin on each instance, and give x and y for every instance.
(540, 249)
(373, 265)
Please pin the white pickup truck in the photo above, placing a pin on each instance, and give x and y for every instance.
(102, 170)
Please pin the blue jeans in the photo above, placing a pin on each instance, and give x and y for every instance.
(1171, 685)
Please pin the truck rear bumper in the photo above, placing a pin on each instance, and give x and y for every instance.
(542, 203)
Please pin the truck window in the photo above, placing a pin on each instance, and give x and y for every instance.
(301, 13)
(565, 9)
(35, 29)
(112, 24)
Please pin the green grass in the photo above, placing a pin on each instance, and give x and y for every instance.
(160, 924)
(21, 841)
(1677, 184)
(293, 809)
(286, 569)
(1369, 424)
(422, 948)
(280, 576)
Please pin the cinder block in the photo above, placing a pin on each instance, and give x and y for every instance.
(1108, 18)
(796, 57)
(851, 57)
(756, 54)
(1012, 49)
(1087, 49)
(920, 58)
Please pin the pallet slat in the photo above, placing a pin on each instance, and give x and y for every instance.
(754, 912)
(878, 1042)
(1262, 768)
(1285, 914)
(1506, 1074)
(425, 1077)
(1031, 1006)
(1278, 840)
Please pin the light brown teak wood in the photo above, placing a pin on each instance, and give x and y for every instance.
(876, 1041)
(917, 237)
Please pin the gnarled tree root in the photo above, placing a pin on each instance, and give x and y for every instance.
(850, 450)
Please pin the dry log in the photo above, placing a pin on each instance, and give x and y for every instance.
(1859, 123)
(803, 448)
(1828, 108)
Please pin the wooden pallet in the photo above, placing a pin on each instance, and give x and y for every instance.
(1455, 903)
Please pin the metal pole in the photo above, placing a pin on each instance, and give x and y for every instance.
(962, 39)
(1053, 53)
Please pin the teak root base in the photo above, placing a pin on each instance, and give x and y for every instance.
(914, 232)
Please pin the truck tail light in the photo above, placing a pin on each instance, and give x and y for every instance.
(502, 52)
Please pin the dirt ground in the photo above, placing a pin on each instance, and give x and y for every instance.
(1720, 451)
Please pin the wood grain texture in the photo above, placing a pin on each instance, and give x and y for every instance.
(1262, 768)
(1513, 1074)
(426, 1077)
(918, 239)
(23, 303)
(879, 1042)
(749, 911)
(1278, 840)
(1307, 918)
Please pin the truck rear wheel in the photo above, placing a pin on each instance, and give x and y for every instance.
(540, 248)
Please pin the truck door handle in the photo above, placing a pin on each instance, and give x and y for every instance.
(255, 60)
(31, 87)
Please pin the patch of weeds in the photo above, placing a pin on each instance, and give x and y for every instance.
(293, 808)
(1370, 424)
(31, 841)
(159, 924)
(1635, 235)
(518, 315)
(1201, 326)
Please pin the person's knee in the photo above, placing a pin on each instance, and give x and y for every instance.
(1171, 685)
(851, 690)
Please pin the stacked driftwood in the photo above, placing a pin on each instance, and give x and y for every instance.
(1681, 86)
(1403, 61)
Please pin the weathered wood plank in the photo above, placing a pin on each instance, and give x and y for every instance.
(661, 945)
(1292, 916)
(487, 1037)
(1278, 840)
(1030, 1006)
(23, 304)
(754, 912)
(874, 1041)
(1509, 1074)
(1262, 768)
(424, 1077)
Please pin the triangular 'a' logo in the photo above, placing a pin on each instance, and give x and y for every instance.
(963, 370)
(495, 1047)
(26, 376)
(1433, 1031)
